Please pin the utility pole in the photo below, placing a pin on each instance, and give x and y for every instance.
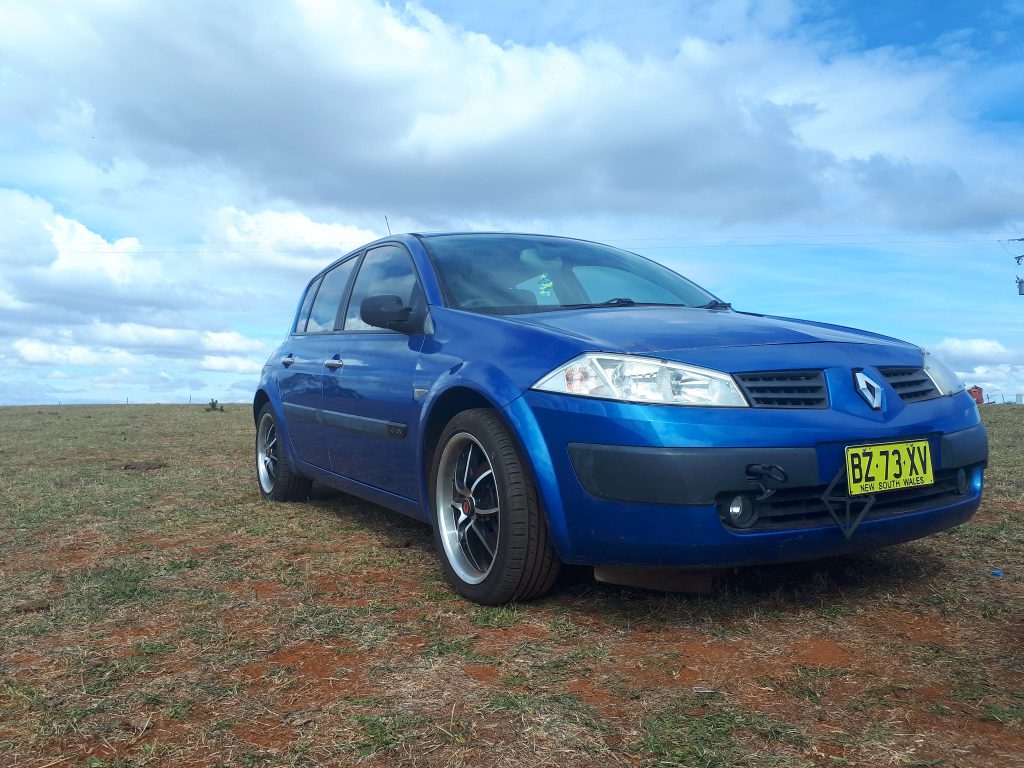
(1019, 259)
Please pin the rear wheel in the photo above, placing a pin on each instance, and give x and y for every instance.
(277, 480)
(490, 533)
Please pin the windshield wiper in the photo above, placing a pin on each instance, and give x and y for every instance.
(716, 304)
(616, 302)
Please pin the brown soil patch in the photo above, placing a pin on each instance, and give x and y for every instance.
(916, 628)
(310, 672)
(267, 734)
(497, 642)
(818, 652)
(258, 590)
(597, 696)
(488, 674)
(314, 659)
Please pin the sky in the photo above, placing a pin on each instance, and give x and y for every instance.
(172, 174)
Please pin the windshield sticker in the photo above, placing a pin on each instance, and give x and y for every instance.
(544, 285)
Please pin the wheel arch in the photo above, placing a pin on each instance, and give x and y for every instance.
(453, 400)
(515, 417)
(259, 400)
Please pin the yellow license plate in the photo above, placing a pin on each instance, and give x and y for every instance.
(888, 467)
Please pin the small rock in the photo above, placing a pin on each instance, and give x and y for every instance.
(33, 606)
(397, 543)
(138, 724)
(300, 719)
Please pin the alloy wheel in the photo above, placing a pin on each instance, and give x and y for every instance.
(266, 453)
(468, 507)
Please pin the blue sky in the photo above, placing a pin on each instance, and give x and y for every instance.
(172, 174)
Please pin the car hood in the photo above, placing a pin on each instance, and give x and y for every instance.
(645, 330)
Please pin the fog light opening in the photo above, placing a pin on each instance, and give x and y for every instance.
(961, 481)
(741, 511)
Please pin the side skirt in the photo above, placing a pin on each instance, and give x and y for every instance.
(407, 507)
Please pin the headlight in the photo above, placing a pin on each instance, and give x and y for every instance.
(944, 377)
(642, 380)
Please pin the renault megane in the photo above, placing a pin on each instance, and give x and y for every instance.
(542, 400)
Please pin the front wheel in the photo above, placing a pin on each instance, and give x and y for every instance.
(490, 533)
(277, 480)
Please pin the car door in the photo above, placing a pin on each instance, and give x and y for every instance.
(311, 344)
(369, 410)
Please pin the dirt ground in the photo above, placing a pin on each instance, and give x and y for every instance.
(154, 612)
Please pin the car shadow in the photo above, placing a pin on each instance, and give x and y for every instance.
(839, 584)
(393, 528)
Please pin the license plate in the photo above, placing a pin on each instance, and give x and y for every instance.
(888, 467)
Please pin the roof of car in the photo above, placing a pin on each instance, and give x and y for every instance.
(500, 234)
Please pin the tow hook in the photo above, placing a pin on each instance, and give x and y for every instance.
(767, 477)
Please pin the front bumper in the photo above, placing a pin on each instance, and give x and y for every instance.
(645, 485)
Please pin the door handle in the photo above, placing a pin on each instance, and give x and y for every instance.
(286, 361)
(333, 363)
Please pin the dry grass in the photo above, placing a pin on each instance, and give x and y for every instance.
(162, 615)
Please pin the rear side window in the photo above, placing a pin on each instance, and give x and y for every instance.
(385, 270)
(307, 302)
(324, 317)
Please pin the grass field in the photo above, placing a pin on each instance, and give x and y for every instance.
(154, 612)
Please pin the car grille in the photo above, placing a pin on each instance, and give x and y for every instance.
(911, 384)
(785, 389)
(797, 508)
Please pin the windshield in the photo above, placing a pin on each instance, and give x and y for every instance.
(509, 274)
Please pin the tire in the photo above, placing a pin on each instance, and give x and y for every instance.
(489, 530)
(275, 477)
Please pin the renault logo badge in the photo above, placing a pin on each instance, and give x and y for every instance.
(869, 389)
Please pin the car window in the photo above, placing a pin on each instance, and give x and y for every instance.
(307, 302)
(603, 283)
(324, 317)
(505, 274)
(385, 270)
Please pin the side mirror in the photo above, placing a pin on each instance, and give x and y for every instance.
(387, 311)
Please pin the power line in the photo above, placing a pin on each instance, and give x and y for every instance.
(186, 248)
(977, 236)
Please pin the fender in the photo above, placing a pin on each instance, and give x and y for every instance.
(495, 387)
(484, 379)
(268, 385)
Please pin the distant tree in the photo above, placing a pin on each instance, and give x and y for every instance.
(214, 406)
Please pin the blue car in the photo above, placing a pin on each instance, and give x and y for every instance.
(542, 400)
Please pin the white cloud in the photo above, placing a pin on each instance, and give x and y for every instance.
(79, 250)
(136, 335)
(232, 363)
(8, 301)
(184, 192)
(42, 353)
(975, 352)
(285, 239)
(1006, 380)
(745, 119)
(179, 342)
(230, 341)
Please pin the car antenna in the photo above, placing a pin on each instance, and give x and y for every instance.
(388, 224)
